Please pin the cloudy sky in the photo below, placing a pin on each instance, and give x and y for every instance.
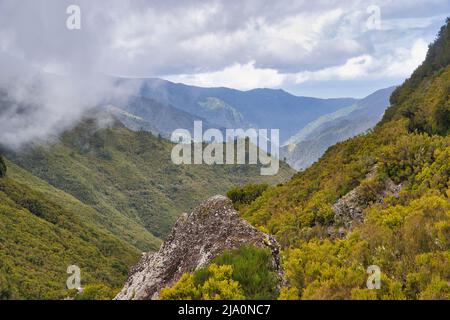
(315, 48)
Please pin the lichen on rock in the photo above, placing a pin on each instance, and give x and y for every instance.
(349, 209)
(195, 240)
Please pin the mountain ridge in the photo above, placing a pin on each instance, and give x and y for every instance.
(311, 142)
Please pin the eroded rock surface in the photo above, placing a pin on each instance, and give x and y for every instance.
(195, 240)
(349, 209)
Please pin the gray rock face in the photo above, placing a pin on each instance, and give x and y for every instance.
(349, 209)
(195, 240)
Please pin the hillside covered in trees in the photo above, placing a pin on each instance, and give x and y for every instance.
(96, 198)
(377, 199)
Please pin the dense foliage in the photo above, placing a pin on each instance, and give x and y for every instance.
(96, 292)
(101, 197)
(2, 167)
(105, 193)
(244, 195)
(427, 108)
(219, 285)
(129, 178)
(406, 234)
(43, 231)
(244, 273)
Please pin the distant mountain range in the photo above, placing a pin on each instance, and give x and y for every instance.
(311, 142)
(308, 126)
(230, 108)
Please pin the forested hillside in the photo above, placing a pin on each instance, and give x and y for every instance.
(423, 101)
(377, 199)
(96, 197)
(130, 179)
(44, 230)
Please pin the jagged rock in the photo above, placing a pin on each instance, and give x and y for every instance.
(195, 240)
(349, 209)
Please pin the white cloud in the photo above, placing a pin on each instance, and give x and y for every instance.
(238, 76)
(404, 61)
(265, 43)
(399, 64)
(354, 68)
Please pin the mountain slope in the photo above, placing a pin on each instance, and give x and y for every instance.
(140, 113)
(44, 230)
(403, 230)
(425, 112)
(224, 107)
(310, 143)
(119, 187)
(130, 179)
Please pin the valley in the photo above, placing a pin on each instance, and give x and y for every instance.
(259, 178)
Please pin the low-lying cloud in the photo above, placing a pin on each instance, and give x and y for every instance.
(36, 106)
(50, 75)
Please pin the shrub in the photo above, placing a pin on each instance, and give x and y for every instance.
(244, 273)
(96, 292)
(253, 269)
(217, 286)
(245, 195)
(2, 167)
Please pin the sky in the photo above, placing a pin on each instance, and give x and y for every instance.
(313, 48)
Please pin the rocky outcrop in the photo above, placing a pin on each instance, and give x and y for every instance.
(349, 209)
(195, 240)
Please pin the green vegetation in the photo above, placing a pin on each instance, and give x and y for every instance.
(43, 231)
(218, 286)
(2, 167)
(102, 194)
(129, 178)
(245, 195)
(96, 292)
(407, 235)
(96, 199)
(244, 273)
(427, 108)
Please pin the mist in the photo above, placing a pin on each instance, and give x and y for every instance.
(50, 77)
(36, 106)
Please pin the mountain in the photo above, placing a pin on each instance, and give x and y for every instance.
(96, 197)
(380, 199)
(140, 113)
(229, 108)
(43, 230)
(311, 142)
(129, 177)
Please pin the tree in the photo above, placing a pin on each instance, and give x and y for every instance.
(2, 167)
(247, 194)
